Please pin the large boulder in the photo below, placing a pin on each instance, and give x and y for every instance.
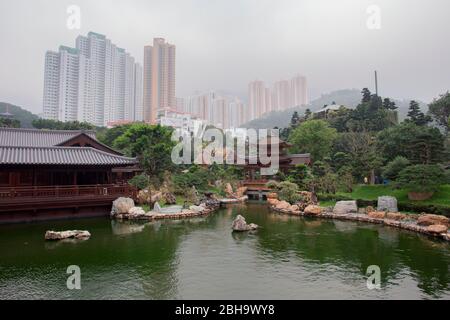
(293, 208)
(396, 216)
(229, 191)
(437, 229)
(273, 202)
(71, 234)
(122, 206)
(432, 219)
(197, 209)
(345, 207)
(377, 214)
(240, 192)
(144, 197)
(313, 210)
(283, 205)
(170, 198)
(239, 224)
(136, 211)
(387, 203)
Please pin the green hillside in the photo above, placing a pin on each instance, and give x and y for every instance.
(347, 97)
(25, 117)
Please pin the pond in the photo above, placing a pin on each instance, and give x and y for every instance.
(288, 258)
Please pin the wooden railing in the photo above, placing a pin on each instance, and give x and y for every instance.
(8, 193)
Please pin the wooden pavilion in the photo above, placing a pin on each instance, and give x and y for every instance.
(47, 174)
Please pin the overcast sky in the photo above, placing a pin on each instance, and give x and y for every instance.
(224, 44)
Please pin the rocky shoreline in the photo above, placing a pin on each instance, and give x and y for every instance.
(124, 209)
(428, 224)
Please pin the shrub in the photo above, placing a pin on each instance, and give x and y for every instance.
(393, 168)
(272, 184)
(140, 181)
(288, 191)
(421, 178)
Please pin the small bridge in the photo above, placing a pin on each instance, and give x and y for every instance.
(256, 189)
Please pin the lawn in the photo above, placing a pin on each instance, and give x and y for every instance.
(442, 197)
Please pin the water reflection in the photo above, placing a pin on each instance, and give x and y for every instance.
(288, 257)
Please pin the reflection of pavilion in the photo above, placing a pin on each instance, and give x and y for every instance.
(276, 150)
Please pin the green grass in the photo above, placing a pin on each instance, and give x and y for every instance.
(442, 197)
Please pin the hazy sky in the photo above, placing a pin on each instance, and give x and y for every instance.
(224, 44)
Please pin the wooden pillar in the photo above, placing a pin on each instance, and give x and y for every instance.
(75, 178)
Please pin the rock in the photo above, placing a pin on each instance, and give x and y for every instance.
(229, 191)
(157, 196)
(345, 207)
(72, 234)
(437, 229)
(240, 192)
(377, 214)
(283, 205)
(272, 195)
(197, 209)
(239, 224)
(156, 207)
(369, 209)
(170, 198)
(273, 202)
(432, 219)
(396, 216)
(293, 208)
(387, 203)
(136, 211)
(313, 210)
(144, 197)
(122, 206)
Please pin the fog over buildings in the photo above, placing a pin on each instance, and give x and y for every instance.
(225, 45)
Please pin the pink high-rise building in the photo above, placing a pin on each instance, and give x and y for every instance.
(159, 78)
(256, 99)
(299, 94)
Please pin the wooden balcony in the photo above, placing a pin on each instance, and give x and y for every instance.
(48, 202)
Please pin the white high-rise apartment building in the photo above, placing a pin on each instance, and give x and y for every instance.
(96, 82)
(299, 91)
(159, 78)
(284, 94)
(256, 99)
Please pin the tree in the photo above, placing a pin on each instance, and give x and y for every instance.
(422, 178)
(295, 119)
(389, 105)
(366, 95)
(420, 145)
(151, 144)
(416, 116)
(288, 191)
(140, 181)
(9, 123)
(315, 137)
(59, 125)
(393, 168)
(108, 136)
(440, 111)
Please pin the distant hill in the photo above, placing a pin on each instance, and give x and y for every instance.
(347, 97)
(25, 117)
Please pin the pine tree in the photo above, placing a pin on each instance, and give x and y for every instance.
(366, 95)
(416, 116)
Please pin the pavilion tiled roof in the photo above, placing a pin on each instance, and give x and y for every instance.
(12, 155)
(38, 138)
(44, 147)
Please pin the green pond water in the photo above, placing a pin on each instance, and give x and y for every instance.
(288, 258)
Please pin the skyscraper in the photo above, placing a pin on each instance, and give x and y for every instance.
(159, 78)
(94, 82)
(299, 94)
(256, 99)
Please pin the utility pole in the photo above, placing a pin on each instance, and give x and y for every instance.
(376, 83)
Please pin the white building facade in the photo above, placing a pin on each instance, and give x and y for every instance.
(96, 82)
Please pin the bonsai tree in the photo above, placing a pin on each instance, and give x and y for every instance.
(140, 181)
(421, 180)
